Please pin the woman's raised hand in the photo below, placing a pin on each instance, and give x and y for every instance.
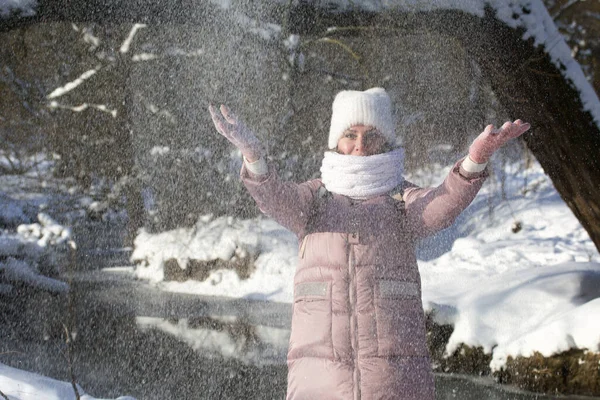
(492, 139)
(236, 132)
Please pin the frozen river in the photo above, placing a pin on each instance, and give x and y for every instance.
(133, 339)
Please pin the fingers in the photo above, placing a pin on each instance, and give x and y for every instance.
(489, 130)
(525, 127)
(217, 119)
(518, 128)
(229, 116)
(514, 129)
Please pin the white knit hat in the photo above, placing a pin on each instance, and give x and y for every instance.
(372, 107)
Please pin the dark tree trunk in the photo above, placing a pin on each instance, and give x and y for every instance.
(132, 190)
(564, 138)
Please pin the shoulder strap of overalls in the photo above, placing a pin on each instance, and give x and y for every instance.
(321, 197)
(400, 205)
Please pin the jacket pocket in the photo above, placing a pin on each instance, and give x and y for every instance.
(311, 321)
(400, 319)
(399, 289)
(311, 291)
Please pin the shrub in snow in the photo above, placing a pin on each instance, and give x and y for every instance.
(46, 233)
(573, 371)
(199, 270)
(193, 253)
(37, 250)
(104, 200)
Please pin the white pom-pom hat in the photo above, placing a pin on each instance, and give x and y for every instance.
(372, 107)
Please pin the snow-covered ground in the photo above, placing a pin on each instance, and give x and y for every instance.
(225, 238)
(22, 385)
(513, 293)
(32, 245)
(516, 293)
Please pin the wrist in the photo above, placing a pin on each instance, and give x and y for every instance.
(474, 166)
(479, 158)
(257, 167)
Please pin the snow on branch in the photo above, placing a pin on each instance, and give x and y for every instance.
(83, 107)
(564, 7)
(144, 57)
(174, 52)
(127, 42)
(534, 18)
(72, 85)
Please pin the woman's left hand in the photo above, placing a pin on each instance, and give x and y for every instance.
(492, 139)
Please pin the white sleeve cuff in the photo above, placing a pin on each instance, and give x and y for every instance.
(471, 166)
(258, 167)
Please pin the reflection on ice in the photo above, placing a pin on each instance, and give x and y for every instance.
(225, 336)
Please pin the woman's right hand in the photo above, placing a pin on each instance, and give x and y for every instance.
(236, 132)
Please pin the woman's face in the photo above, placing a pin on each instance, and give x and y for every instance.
(361, 140)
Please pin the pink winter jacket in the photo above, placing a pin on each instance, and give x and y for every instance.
(358, 328)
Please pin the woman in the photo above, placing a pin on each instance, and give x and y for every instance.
(358, 327)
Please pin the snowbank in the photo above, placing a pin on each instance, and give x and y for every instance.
(11, 212)
(225, 238)
(510, 293)
(15, 270)
(23, 385)
(543, 309)
(517, 293)
(35, 248)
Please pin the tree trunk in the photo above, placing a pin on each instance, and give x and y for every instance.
(564, 138)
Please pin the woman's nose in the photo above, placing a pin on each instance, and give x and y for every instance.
(359, 145)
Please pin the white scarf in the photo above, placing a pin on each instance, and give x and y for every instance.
(362, 177)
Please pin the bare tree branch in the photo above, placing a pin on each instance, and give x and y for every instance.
(73, 84)
(69, 342)
(563, 8)
(83, 107)
(127, 42)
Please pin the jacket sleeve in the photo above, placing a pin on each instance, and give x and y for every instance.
(286, 202)
(430, 210)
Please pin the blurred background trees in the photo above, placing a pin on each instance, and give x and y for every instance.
(579, 23)
(120, 108)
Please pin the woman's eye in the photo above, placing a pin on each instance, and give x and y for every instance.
(372, 136)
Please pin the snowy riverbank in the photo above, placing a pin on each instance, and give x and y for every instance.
(516, 276)
(517, 273)
(23, 385)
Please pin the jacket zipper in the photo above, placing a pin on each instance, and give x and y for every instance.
(353, 321)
